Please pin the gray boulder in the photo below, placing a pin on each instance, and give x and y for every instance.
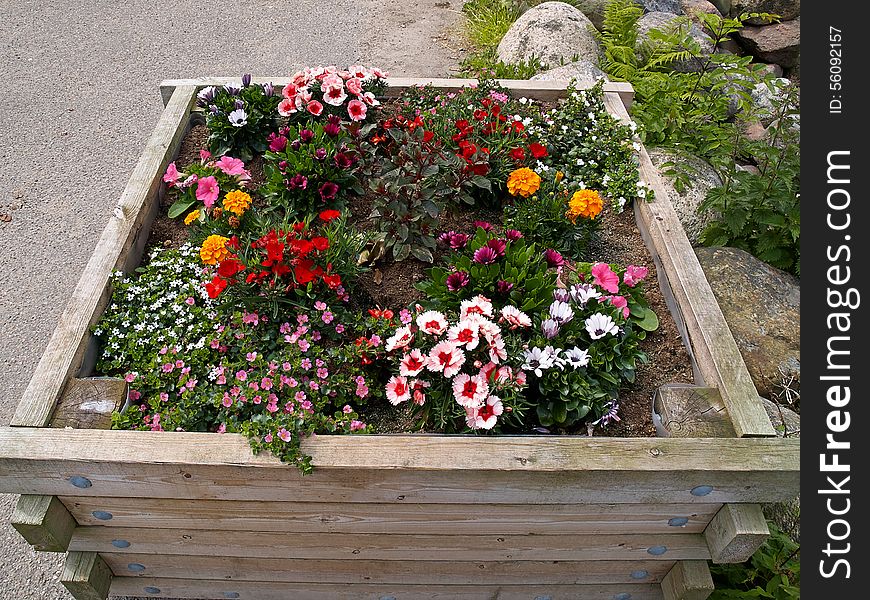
(764, 95)
(779, 44)
(554, 32)
(669, 22)
(786, 9)
(761, 305)
(694, 7)
(703, 179)
(585, 72)
(668, 6)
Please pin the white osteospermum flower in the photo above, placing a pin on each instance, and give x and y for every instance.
(561, 312)
(238, 118)
(599, 325)
(577, 357)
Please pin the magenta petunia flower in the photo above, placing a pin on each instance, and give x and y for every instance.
(456, 281)
(634, 275)
(485, 255)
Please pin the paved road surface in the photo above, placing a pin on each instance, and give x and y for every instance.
(79, 100)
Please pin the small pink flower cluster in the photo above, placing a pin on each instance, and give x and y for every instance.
(207, 188)
(312, 88)
(607, 280)
(474, 342)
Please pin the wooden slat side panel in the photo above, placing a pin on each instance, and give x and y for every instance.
(714, 348)
(388, 572)
(70, 339)
(433, 547)
(245, 590)
(541, 90)
(447, 519)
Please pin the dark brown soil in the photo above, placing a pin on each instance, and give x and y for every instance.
(391, 285)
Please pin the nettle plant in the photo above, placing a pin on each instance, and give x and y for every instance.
(311, 167)
(588, 345)
(505, 268)
(457, 372)
(592, 148)
(239, 118)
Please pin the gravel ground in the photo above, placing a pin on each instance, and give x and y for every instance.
(81, 99)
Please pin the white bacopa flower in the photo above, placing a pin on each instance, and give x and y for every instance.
(577, 357)
(599, 325)
(238, 118)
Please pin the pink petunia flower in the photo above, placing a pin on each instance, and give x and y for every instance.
(286, 107)
(354, 86)
(335, 95)
(619, 302)
(207, 191)
(605, 278)
(231, 166)
(634, 275)
(356, 110)
(172, 175)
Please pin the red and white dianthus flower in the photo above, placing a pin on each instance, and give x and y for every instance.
(418, 386)
(479, 305)
(398, 390)
(485, 416)
(514, 317)
(412, 363)
(402, 338)
(470, 390)
(465, 333)
(432, 322)
(447, 358)
(497, 352)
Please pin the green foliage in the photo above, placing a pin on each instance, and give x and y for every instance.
(528, 284)
(760, 212)
(484, 64)
(773, 572)
(704, 112)
(239, 119)
(486, 21)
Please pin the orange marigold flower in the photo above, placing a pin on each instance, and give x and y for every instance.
(214, 249)
(237, 202)
(523, 182)
(191, 217)
(584, 203)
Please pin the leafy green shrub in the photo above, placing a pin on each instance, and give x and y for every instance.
(484, 64)
(773, 572)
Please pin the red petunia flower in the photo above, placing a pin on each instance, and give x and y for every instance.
(538, 150)
(215, 287)
(518, 154)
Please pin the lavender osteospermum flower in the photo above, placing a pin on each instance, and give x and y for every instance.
(577, 357)
(268, 90)
(561, 295)
(246, 80)
(609, 415)
(582, 293)
(561, 312)
(239, 103)
(553, 258)
(232, 91)
(205, 95)
(485, 255)
(550, 328)
(456, 281)
(537, 360)
(238, 118)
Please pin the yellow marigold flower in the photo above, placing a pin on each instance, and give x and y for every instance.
(584, 203)
(237, 202)
(214, 249)
(191, 217)
(523, 182)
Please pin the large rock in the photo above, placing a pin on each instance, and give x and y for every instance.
(553, 32)
(668, 6)
(692, 8)
(703, 178)
(585, 72)
(593, 9)
(779, 44)
(669, 22)
(764, 95)
(762, 308)
(786, 9)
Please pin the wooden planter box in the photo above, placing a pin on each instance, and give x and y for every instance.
(403, 517)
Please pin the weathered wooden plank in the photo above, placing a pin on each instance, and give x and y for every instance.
(44, 522)
(447, 519)
(89, 403)
(688, 580)
(736, 532)
(127, 229)
(713, 345)
(388, 572)
(86, 576)
(221, 590)
(689, 411)
(541, 90)
(432, 547)
(426, 469)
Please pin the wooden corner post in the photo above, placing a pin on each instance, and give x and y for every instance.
(44, 522)
(87, 576)
(688, 580)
